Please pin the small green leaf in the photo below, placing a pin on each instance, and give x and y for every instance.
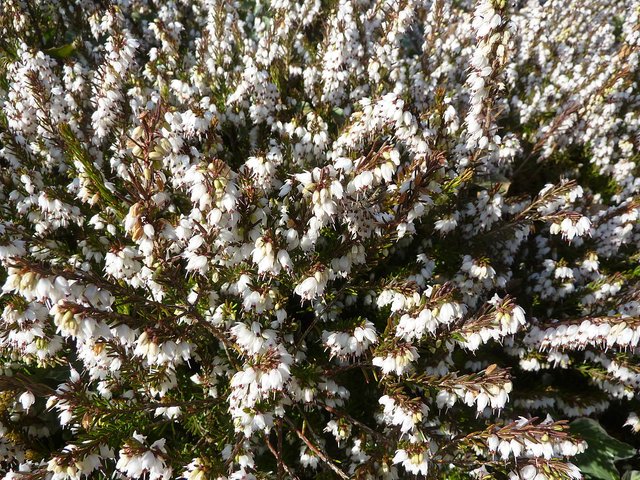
(597, 462)
(65, 51)
(631, 475)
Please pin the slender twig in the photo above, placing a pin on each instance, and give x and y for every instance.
(280, 460)
(316, 450)
(234, 453)
(34, 22)
(358, 423)
(333, 371)
(278, 457)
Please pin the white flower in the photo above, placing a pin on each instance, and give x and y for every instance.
(415, 461)
(398, 362)
(633, 421)
(312, 287)
(148, 460)
(308, 458)
(406, 419)
(344, 344)
(26, 400)
(264, 256)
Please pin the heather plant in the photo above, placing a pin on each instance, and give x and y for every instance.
(318, 239)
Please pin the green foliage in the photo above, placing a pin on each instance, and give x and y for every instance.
(598, 461)
(62, 52)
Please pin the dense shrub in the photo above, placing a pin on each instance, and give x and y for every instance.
(327, 239)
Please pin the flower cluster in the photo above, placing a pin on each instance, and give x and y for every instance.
(301, 239)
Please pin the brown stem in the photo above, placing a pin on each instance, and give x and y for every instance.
(358, 423)
(278, 457)
(280, 461)
(316, 450)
